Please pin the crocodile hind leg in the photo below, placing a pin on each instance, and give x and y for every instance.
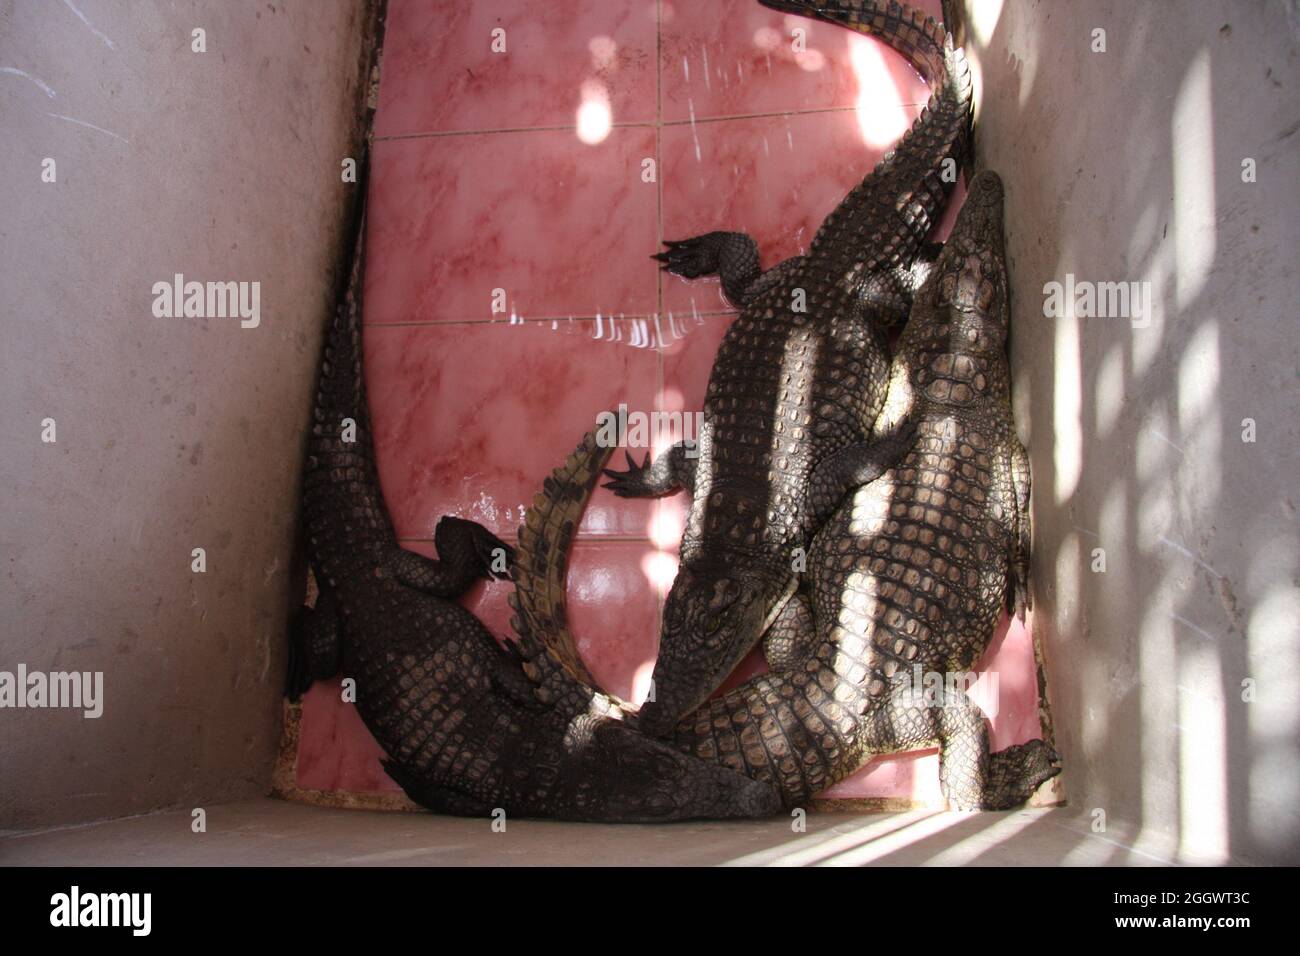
(314, 648)
(970, 777)
(887, 295)
(467, 551)
(974, 779)
(731, 256)
(671, 471)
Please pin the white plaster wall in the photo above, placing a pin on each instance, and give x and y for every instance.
(1126, 165)
(171, 434)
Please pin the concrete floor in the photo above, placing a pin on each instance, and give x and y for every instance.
(270, 832)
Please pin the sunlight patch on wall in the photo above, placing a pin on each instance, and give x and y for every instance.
(1198, 377)
(1273, 648)
(1066, 584)
(983, 19)
(1199, 417)
(1108, 390)
(1158, 736)
(1193, 156)
(1067, 431)
(1149, 343)
(1203, 753)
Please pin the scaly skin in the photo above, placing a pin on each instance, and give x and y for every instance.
(910, 572)
(464, 729)
(798, 380)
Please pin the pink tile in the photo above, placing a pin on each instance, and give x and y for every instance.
(910, 776)
(470, 418)
(440, 71)
(562, 227)
(1010, 676)
(335, 750)
(614, 613)
(776, 178)
(733, 57)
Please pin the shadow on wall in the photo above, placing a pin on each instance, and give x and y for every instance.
(1150, 165)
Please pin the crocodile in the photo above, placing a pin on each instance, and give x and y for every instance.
(907, 578)
(798, 379)
(464, 730)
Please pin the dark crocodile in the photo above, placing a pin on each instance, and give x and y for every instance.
(464, 730)
(908, 576)
(798, 380)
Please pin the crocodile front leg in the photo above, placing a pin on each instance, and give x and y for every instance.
(887, 294)
(854, 466)
(731, 256)
(672, 471)
(467, 551)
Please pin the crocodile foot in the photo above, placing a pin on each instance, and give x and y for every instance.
(460, 540)
(1015, 773)
(691, 258)
(633, 483)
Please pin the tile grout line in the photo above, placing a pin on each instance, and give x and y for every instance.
(539, 320)
(652, 124)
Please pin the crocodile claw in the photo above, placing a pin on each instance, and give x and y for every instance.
(631, 483)
(689, 258)
(459, 539)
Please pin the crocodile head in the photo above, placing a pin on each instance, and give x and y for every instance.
(714, 614)
(953, 351)
(969, 284)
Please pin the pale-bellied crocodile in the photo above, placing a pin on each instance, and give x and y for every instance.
(908, 577)
(799, 378)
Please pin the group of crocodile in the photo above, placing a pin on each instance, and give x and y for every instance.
(900, 483)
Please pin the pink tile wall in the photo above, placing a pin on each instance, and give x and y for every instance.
(510, 295)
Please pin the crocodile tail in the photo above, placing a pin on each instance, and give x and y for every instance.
(340, 482)
(540, 570)
(341, 391)
(892, 210)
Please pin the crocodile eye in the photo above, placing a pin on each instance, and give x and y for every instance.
(712, 624)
